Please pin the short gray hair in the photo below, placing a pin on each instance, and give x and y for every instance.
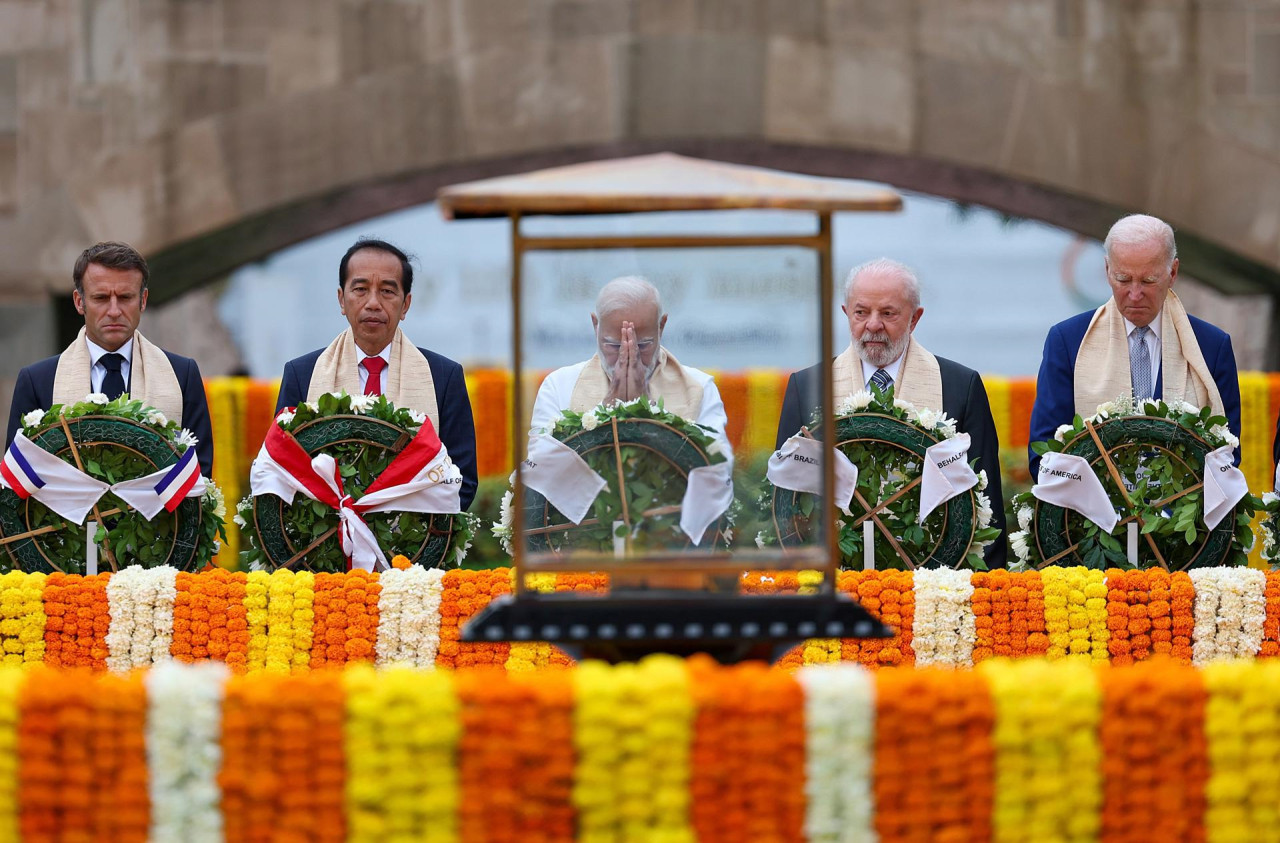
(625, 293)
(1136, 229)
(886, 266)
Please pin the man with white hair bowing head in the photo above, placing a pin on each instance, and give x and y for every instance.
(882, 303)
(630, 362)
(1141, 342)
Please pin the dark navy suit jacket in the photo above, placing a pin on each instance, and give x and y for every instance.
(963, 398)
(34, 391)
(1056, 384)
(457, 428)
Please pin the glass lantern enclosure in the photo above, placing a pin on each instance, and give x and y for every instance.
(638, 464)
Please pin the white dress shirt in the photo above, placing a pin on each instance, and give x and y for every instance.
(891, 370)
(98, 372)
(385, 354)
(1154, 348)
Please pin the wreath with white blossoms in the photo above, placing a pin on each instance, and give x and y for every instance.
(886, 438)
(1159, 449)
(363, 433)
(656, 449)
(113, 441)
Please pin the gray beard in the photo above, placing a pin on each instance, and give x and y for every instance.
(875, 356)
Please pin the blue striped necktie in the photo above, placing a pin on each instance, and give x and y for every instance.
(882, 380)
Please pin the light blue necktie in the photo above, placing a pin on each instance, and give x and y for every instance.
(1140, 363)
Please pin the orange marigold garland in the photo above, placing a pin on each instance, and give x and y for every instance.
(934, 759)
(77, 619)
(345, 608)
(1154, 753)
(282, 774)
(890, 596)
(465, 594)
(747, 782)
(121, 807)
(1271, 626)
(1182, 601)
(1008, 615)
(55, 745)
(210, 620)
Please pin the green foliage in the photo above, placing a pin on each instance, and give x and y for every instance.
(884, 470)
(360, 463)
(131, 538)
(653, 486)
(1159, 469)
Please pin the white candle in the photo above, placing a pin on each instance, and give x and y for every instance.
(619, 541)
(868, 545)
(90, 549)
(1133, 543)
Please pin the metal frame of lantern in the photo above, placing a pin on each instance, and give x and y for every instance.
(635, 186)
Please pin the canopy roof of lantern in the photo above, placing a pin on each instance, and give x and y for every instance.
(661, 182)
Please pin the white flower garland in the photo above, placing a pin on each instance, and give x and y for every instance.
(409, 616)
(840, 710)
(1230, 609)
(944, 628)
(140, 603)
(184, 751)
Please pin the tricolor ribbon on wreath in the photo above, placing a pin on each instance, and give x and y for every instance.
(421, 478)
(32, 472)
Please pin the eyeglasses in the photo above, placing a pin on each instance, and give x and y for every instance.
(641, 345)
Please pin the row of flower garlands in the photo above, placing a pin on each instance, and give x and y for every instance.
(287, 622)
(661, 750)
(242, 409)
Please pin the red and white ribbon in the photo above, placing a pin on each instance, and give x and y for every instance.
(421, 478)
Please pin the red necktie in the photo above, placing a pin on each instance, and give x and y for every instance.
(374, 366)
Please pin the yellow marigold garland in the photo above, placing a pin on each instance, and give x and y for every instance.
(290, 621)
(256, 587)
(1075, 613)
(1242, 725)
(633, 729)
(22, 617)
(1048, 775)
(531, 655)
(10, 685)
(401, 735)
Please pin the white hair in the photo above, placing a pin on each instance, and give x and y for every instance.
(1138, 229)
(625, 293)
(886, 266)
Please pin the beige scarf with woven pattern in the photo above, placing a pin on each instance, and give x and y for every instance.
(406, 381)
(919, 380)
(151, 377)
(1102, 365)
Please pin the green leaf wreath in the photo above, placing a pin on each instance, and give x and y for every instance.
(116, 440)
(885, 438)
(1158, 449)
(439, 540)
(651, 454)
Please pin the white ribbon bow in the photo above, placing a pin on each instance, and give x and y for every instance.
(797, 466)
(946, 473)
(1224, 485)
(1068, 481)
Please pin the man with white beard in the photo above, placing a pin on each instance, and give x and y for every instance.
(882, 303)
(630, 362)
